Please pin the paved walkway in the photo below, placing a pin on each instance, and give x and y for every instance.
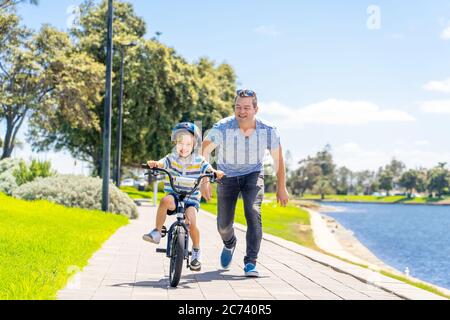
(126, 267)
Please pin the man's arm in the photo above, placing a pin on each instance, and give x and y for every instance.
(207, 148)
(205, 188)
(280, 169)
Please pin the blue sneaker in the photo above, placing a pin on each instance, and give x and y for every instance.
(250, 270)
(226, 257)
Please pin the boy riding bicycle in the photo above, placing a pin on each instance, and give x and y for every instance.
(185, 163)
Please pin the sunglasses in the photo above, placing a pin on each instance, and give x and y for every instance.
(246, 93)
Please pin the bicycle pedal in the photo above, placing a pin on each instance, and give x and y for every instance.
(163, 232)
(161, 250)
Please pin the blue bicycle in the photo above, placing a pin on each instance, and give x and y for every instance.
(177, 249)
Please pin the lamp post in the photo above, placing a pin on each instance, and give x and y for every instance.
(119, 125)
(107, 112)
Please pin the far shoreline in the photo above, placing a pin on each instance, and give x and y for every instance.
(319, 201)
(332, 237)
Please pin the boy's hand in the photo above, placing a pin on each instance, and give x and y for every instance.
(219, 174)
(205, 189)
(152, 164)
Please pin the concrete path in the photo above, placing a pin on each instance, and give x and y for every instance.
(126, 267)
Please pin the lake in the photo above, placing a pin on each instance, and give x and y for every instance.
(403, 236)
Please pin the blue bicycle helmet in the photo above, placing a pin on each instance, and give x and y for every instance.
(189, 127)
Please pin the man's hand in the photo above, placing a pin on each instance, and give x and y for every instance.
(205, 189)
(219, 174)
(282, 196)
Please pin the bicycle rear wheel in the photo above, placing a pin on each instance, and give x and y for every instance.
(177, 256)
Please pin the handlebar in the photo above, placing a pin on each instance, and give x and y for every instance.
(154, 172)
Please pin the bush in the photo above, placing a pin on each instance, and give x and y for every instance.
(149, 187)
(77, 191)
(36, 169)
(7, 180)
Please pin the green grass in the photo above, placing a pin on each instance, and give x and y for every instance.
(381, 199)
(133, 193)
(291, 223)
(43, 244)
(422, 286)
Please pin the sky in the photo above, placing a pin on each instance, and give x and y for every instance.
(370, 78)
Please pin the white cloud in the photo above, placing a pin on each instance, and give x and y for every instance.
(436, 106)
(267, 30)
(440, 86)
(446, 33)
(332, 112)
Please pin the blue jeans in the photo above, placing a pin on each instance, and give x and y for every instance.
(251, 187)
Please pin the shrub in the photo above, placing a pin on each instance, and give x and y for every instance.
(149, 187)
(36, 169)
(77, 191)
(7, 180)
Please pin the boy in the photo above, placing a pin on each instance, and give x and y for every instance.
(182, 162)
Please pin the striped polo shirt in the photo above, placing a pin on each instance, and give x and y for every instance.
(191, 167)
(238, 155)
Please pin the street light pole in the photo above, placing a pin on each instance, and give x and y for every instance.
(117, 162)
(107, 112)
(119, 125)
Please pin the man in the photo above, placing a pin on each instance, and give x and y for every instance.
(242, 141)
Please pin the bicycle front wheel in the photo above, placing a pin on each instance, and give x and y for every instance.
(177, 256)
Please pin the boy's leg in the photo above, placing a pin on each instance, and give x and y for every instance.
(253, 194)
(167, 203)
(191, 216)
(227, 195)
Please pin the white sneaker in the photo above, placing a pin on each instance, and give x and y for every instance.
(153, 237)
(196, 264)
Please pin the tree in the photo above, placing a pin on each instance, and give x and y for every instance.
(311, 170)
(386, 181)
(344, 178)
(215, 89)
(305, 177)
(396, 167)
(288, 162)
(19, 83)
(365, 182)
(323, 186)
(438, 180)
(324, 160)
(422, 180)
(33, 68)
(39, 72)
(11, 4)
(160, 89)
(410, 181)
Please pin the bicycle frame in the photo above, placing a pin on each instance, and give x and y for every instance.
(181, 217)
(180, 210)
